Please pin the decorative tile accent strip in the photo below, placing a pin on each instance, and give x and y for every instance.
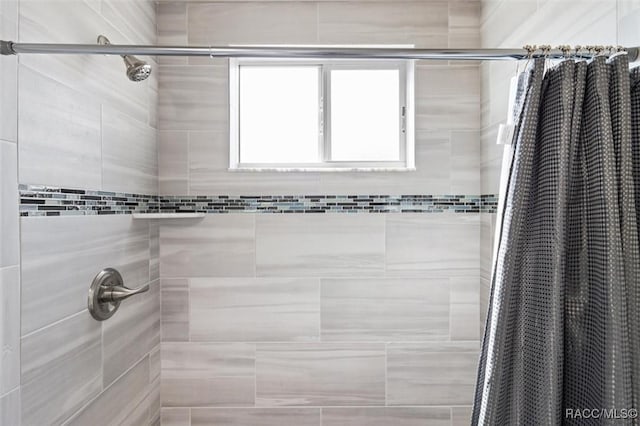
(49, 201)
(322, 204)
(489, 203)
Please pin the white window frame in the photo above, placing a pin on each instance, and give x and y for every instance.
(406, 113)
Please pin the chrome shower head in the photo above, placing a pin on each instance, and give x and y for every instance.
(137, 69)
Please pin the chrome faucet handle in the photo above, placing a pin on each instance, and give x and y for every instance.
(118, 293)
(107, 291)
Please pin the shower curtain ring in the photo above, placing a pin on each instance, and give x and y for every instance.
(566, 50)
(530, 51)
(576, 51)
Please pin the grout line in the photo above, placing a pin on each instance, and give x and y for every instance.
(102, 357)
(113, 383)
(19, 220)
(17, 388)
(386, 374)
(189, 310)
(310, 407)
(54, 323)
(334, 343)
(189, 163)
(101, 146)
(320, 339)
(255, 375)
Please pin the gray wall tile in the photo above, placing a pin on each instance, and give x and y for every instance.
(8, 87)
(465, 308)
(461, 416)
(154, 250)
(464, 321)
(135, 20)
(63, 136)
(320, 245)
(423, 24)
(175, 309)
(465, 168)
(464, 24)
(441, 373)
(173, 161)
(171, 19)
(252, 23)
(129, 154)
(9, 72)
(131, 333)
(10, 408)
(320, 374)
(384, 309)
(385, 416)
(189, 99)
(61, 369)
(139, 415)
(254, 309)
(628, 14)
(155, 402)
(433, 156)
(433, 244)
(9, 243)
(193, 97)
(70, 251)
(9, 328)
(98, 77)
(217, 245)
(206, 374)
(209, 171)
(255, 416)
(53, 149)
(119, 401)
(176, 417)
(154, 363)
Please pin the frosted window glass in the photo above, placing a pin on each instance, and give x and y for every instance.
(365, 115)
(279, 120)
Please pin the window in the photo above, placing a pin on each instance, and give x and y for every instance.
(321, 114)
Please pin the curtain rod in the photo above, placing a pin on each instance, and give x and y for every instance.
(13, 48)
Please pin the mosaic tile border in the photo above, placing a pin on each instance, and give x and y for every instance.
(52, 201)
(38, 200)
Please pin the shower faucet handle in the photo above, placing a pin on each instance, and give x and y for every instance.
(117, 293)
(107, 291)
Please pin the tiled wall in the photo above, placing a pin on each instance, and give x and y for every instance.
(508, 23)
(265, 314)
(9, 227)
(310, 319)
(193, 121)
(76, 121)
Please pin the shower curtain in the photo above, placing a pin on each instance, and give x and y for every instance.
(562, 339)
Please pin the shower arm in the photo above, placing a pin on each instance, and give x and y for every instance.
(13, 48)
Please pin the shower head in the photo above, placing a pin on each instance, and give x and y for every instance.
(137, 69)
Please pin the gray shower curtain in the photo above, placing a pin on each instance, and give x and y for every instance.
(563, 328)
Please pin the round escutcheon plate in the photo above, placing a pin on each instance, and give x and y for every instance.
(102, 310)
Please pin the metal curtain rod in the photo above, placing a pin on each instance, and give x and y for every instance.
(13, 48)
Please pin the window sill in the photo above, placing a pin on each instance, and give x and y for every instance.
(321, 169)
